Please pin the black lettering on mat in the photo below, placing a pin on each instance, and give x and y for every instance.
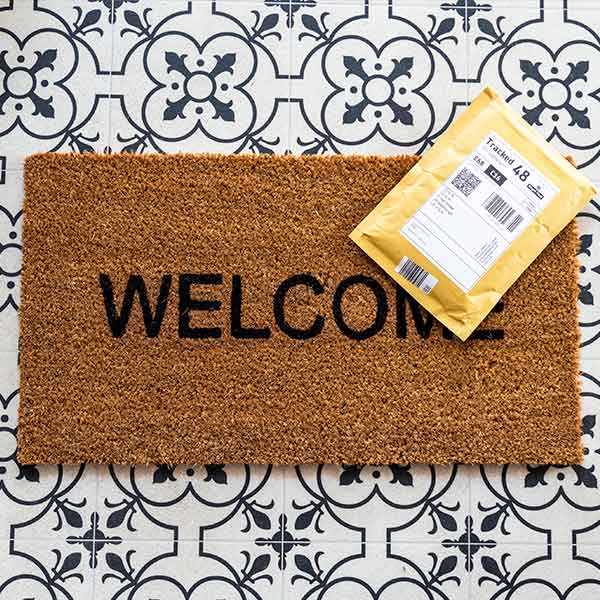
(380, 314)
(279, 301)
(237, 329)
(117, 322)
(188, 304)
(135, 284)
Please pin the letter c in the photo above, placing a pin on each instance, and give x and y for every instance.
(278, 307)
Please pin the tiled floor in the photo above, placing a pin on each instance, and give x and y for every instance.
(273, 76)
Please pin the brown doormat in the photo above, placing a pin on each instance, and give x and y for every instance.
(212, 309)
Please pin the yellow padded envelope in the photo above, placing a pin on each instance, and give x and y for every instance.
(473, 213)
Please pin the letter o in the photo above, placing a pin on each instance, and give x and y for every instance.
(380, 315)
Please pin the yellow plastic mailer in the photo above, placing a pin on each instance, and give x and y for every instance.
(473, 213)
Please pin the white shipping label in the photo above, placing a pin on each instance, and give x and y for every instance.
(416, 275)
(476, 214)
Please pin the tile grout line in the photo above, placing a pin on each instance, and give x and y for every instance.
(248, 542)
(290, 62)
(283, 471)
(96, 498)
(110, 78)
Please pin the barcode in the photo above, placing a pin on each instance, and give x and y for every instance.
(466, 181)
(416, 275)
(503, 212)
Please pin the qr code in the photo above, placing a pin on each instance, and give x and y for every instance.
(466, 181)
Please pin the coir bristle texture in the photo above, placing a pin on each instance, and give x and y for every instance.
(256, 300)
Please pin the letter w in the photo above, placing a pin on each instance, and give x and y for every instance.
(118, 323)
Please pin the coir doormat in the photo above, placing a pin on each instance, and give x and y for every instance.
(212, 309)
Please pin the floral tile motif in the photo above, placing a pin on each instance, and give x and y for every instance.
(192, 502)
(188, 570)
(588, 254)
(89, 22)
(543, 66)
(50, 82)
(45, 569)
(372, 571)
(11, 217)
(399, 503)
(546, 504)
(10, 246)
(199, 74)
(50, 502)
(528, 571)
(379, 80)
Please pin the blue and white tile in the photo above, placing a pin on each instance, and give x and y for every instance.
(10, 254)
(191, 502)
(521, 572)
(372, 570)
(544, 504)
(543, 64)
(311, 512)
(89, 23)
(11, 221)
(35, 569)
(383, 503)
(50, 502)
(202, 79)
(133, 21)
(50, 82)
(583, 512)
(588, 222)
(122, 563)
(189, 570)
(379, 82)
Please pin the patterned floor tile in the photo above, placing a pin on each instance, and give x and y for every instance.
(89, 22)
(189, 571)
(376, 80)
(11, 203)
(122, 564)
(10, 246)
(525, 571)
(49, 502)
(204, 78)
(540, 60)
(544, 503)
(36, 569)
(51, 82)
(394, 503)
(209, 502)
(588, 222)
(56, 502)
(373, 571)
(583, 515)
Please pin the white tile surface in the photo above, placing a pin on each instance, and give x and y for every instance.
(365, 571)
